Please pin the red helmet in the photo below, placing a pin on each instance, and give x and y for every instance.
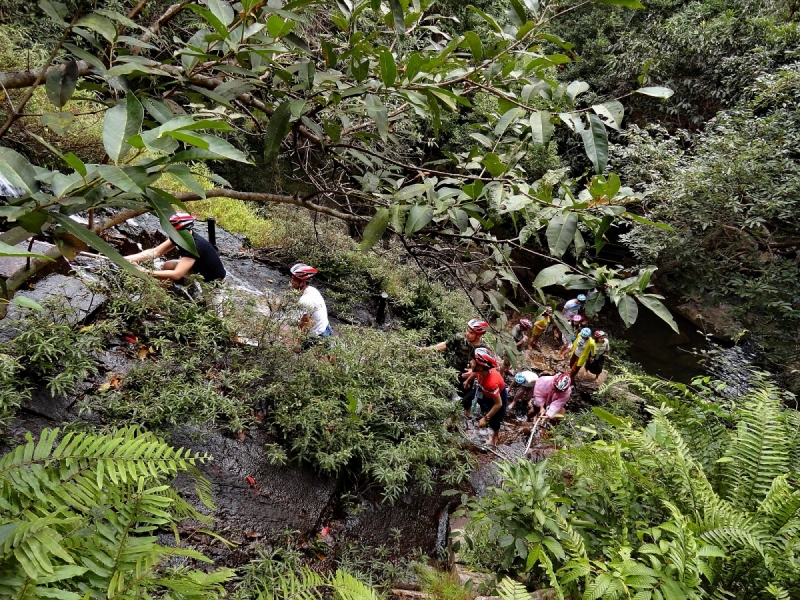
(478, 325)
(525, 323)
(561, 381)
(599, 334)
(303, 272)
(485, 357)
(182, 220)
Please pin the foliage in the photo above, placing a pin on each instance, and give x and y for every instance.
(305, 584)
(79, 517)
(10, 393)
(702, 502)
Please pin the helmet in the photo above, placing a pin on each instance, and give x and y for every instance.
(520, 378)
(581, 297)
(524, 377)
(548, 310)
(182, 220)
(586, 332)
(599, 334)
(303, 272)
(561, 381)
(576, 319)
(525, 323)
(485, 357)
(478, 325)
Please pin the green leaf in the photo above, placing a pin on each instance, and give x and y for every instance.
(374, 231)
(162, 202)
(419, 217)
(222, 148)
(76, 163)
(6, 250)
(222, 10)
(128, 179)
(595, 304)
(493, 163)
(55, 10)
(628, 310)
(655, 92)
(611, 112)
(95, 241)
(27, 302)
(643, 221)
(388, 67)
(576, 88)
(58, 122)
(377, 111)
(606, 416)
(507, 118)
(99, 24)
(185, 176)
(276, 130)
(60, 83)
(624, 3)
(561, 233)
(121, 122)
(660, 310)
(595, 142)
(550, 276)
(18, 171)
(397, 16)
(541, 127)
(474, 42)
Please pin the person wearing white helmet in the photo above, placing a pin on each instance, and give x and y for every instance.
(550, 396)
(206, 263)
(540, 326)
(583, 348)
(526, 382)
(520, 333)
(314, 320)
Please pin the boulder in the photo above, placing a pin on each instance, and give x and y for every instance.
(716, 320)
(11, 264)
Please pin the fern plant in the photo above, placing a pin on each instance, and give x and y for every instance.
(79, 517)
(702, 502)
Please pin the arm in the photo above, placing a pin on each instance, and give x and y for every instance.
(498, 404)
(152, 253)
(182, 269)
(440, 347)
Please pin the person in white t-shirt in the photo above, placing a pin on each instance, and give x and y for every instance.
(315, 318)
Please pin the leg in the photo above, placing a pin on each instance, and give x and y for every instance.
(466, 401)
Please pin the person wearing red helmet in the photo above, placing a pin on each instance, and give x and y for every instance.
(520, 333)
(206, 263)
(315, 318)
(550, 396)
(491, 391)
(540, 326)
(459, 354)
(602, 349)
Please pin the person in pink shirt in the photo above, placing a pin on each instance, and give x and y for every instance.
(550, 395)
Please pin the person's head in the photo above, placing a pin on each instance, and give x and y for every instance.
(576, 320)
(525, 376)
(548, 311)
(586, 333)
(182, 221)
(525, 324)
(561, 381)
(581, 298)
(599, 335)
(475, 329)
(301, 275)
(485, 359)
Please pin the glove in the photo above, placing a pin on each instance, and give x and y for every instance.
(482, 422)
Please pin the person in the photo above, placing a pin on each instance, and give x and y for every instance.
(526, 381)
(568, 338)
(459, 354)
(206, 264)
(314, 320)
(582, 349)
(602, 349)
(518, 332)
(491, 392)
(550, 396)
(540, 326)
(574, 306)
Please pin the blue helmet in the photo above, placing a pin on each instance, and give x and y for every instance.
(586, 332)
(519, 378)
(581, 297)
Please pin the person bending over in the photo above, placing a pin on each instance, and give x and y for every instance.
(491, 392)
(314, 320)
(520, 333)
(550, 396)
(206, 264)
(526, 382)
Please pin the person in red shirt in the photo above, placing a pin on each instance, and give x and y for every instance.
(491, 391)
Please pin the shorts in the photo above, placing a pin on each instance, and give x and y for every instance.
(595, 367)
(523, 396)
(497, 418)
(467, 396)
(312, 339)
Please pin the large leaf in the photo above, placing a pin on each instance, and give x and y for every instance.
(377, 111)
(60, 83)
(628, 310)
(550, 276)
(595, 142)
(130, 179)
(373, 232)
(121, 123)
(397, 16)
(276, 130)
(99, 24)
(594, 304)
(508, 117)
(561, 233)
(162, 202)
(388, 67)
(611, 112)
(625, 3)
(541, 127)
(28, 303)
(659, 309)
(655, 91)
(18, 171)
(419, 217)
(96, 242)
(6, 250)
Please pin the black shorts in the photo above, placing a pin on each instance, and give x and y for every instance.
(497, 418)
(467, 396)
(595, 367)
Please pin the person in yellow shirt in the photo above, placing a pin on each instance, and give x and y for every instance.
(540, 326)
(582, 348)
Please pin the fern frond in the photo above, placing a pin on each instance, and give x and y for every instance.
(512, 590)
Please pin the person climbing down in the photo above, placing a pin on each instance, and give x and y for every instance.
(314, 320)
(602, 349)
(574, 306)
(583, 348)
(491, 392)
(540, 326)
(526, 381)
(567, 339)
(518, 332)
(459, 355)
(206, 264)
(550, 396)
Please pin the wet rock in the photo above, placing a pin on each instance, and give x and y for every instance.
(10, 264)
(116, 360)
(273, 500)
(473, 580)
(54, 408)
(716, 320)
(408, 595)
